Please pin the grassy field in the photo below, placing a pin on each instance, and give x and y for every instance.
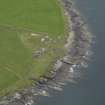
(31, 38)
(37, 15)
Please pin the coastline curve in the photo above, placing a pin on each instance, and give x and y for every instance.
(66, 69)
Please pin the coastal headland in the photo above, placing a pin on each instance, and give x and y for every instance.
(66, 67)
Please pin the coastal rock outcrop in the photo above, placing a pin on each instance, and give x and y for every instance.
(66, 69)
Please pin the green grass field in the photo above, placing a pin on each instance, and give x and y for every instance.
(28, 27)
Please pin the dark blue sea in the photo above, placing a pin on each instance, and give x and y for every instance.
(91, 89)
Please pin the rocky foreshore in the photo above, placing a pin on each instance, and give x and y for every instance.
(66, 69)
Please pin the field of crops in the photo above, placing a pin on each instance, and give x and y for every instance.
(31, 38)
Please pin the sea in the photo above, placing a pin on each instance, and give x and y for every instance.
(91, 89)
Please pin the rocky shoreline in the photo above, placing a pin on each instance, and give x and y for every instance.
(66, 69)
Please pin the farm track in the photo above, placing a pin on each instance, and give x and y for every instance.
(13, 28)
(19, 29)
(16, 74)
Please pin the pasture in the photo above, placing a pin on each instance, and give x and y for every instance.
(31, 39)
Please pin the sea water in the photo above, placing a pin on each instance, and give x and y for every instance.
(91, 89)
